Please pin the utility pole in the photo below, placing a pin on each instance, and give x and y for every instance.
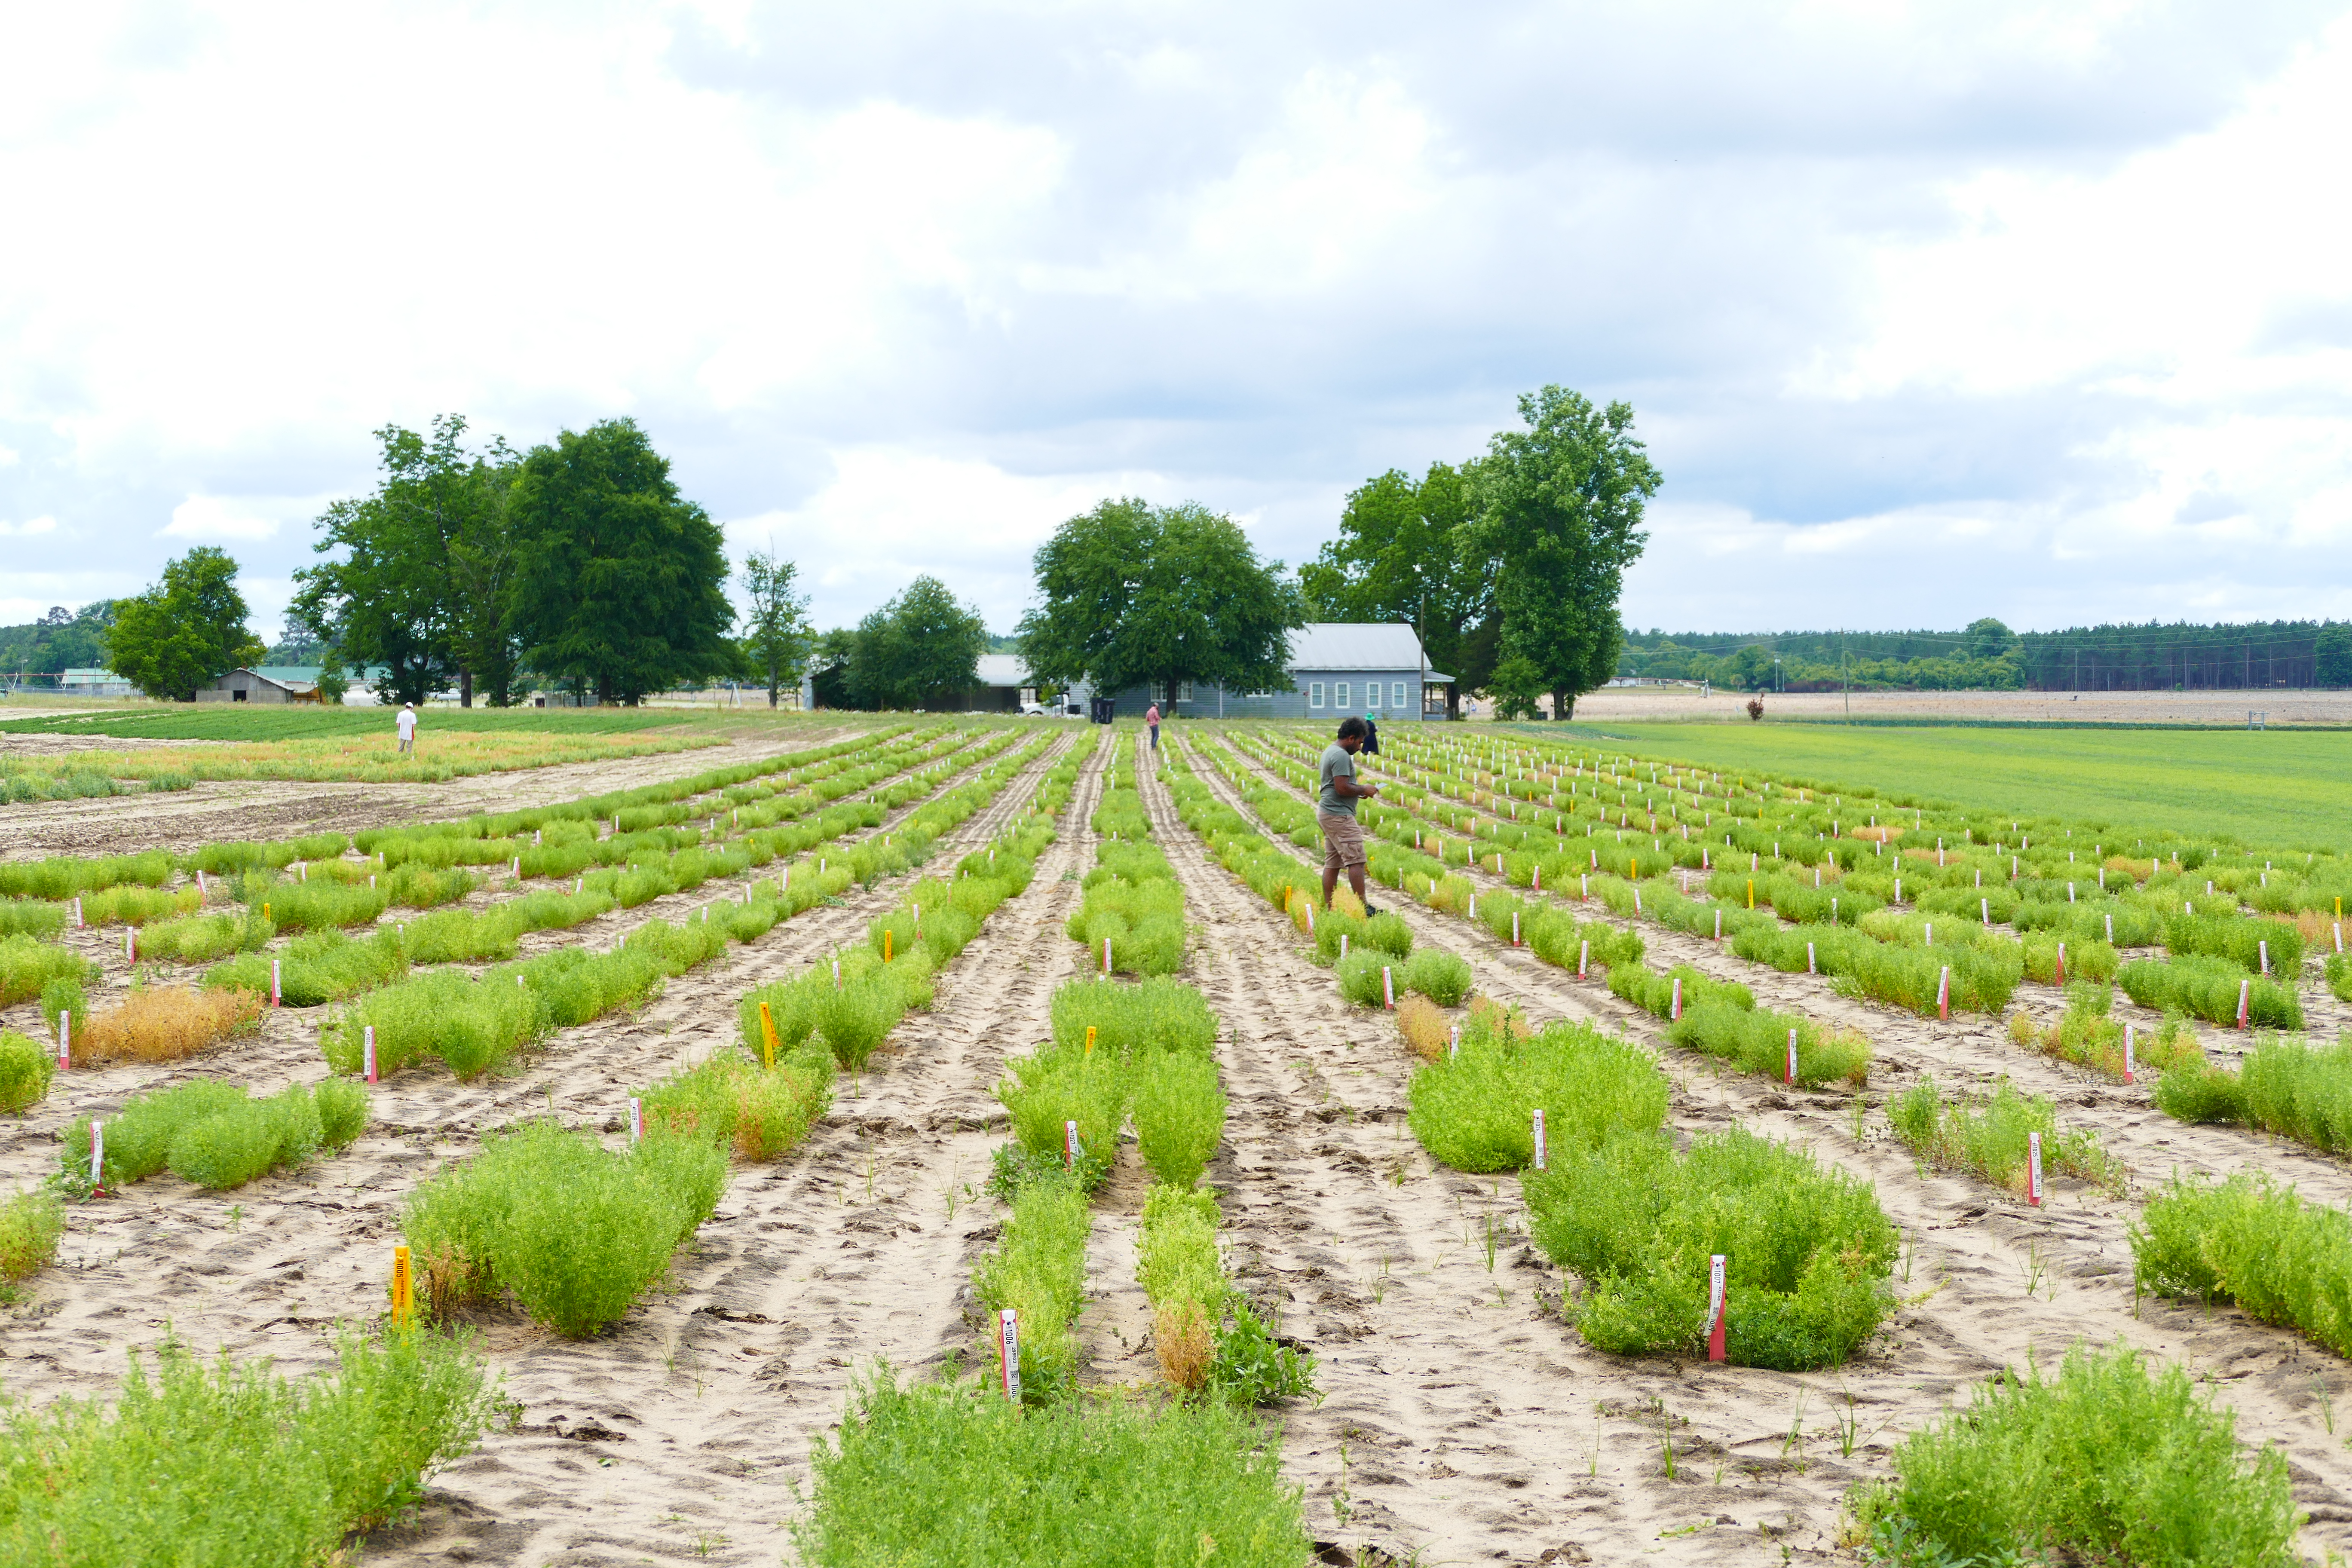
(1843, 685)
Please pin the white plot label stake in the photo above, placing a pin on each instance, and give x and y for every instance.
(97, 1152)
(2129, 1064)
(1792, 1056)
(1583, 956)
(1008, 1350)
(1541, 1162)
(636, 1119)
(1715, 1303)
(2033, 1169)
(367, 1051)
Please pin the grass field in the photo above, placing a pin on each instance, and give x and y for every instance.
(246, 721)
(2286, 788)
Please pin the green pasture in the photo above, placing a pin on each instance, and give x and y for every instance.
(2285, 788)
(248, 722)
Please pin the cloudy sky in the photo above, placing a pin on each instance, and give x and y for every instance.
(1926, 312)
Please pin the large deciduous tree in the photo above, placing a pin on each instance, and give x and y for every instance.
(775, 628)
(424, 583)
(620, 581)
(1136, 593)
(184, 631)
(1406, 553)
(1559, 507)
(921, 650)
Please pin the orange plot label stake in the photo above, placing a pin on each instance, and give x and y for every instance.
(403, 1305)
(767, 1034)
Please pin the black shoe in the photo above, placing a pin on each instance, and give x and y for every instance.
(1369, 911)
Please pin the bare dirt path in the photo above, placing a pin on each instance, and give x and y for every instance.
(267, 809)
(665, 1439)
(1979, 1249)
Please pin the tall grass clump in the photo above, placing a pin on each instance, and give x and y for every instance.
(30, 1226)
(165, 1023)
(757, 1113)
(2103, 1463)
(215, 1135)
(2207, 988)
(1475, 1111)
(25, 1065)
(1039, 1269)
(950, 1472)
(27, 965)
(217, 1465)
(574, 1232)
(1808, 1251)
(1990, 1137)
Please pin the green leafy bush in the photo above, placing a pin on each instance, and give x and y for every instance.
(2103, 1463)
(25, 1065)
(1055, 1085)
(1360, 976)
(472, 1025)
(757, 1113)
(2207, 988)
(33, 917)
(1475, 1111)
(314, 970)
(950, 1473)
(27, 965)
(2290, 1087)
(2283, 1259)
(212, 1133)
(202, 938)
(30, 1225)
(1807, 1251)
(1179, 1115)
(1438, 976)
(574, 1231)
(1155, 1014)
(62, 996)
(315, 905)
(236, 1468)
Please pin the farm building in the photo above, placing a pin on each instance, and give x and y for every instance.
(1337, 667)
(271, 684)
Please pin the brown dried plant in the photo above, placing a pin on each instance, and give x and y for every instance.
(1179, 1334)
(1426, 1029)
(1484, 1009)
(166, 1023)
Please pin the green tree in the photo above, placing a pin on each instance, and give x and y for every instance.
(424, 583)
(1989, 638)
(620, 581)
(2332, 663)
(1559, 507)
(185, 631)
(1136, 593)
(1406, 553)
(775, 628)
(921, 650)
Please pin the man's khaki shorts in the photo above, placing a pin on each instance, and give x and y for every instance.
(1343, 840)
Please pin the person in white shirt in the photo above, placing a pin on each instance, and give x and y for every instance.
(407, 726)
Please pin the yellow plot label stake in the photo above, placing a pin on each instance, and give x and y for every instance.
(1090, 1040)
(767, 1034)
(887, 934)
(403, 1305)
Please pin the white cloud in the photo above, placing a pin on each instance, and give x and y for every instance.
(212, 520)
(28, 527)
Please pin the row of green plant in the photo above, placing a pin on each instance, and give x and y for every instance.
(1206, 1334)
(1131, 897)
(2088, 1035)
(1721, 1019)
(28, 964)
(1992, 1137)
(215, 1134)
(1473, 1107)
(1119, 1049)
(65, 875)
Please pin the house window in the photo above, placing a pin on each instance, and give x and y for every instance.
(1315, 694)
(1183, 691)
(1371, 694)
(1340, 694)
(1396, 694)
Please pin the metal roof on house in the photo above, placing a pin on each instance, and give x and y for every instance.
(1351, 646)
(1003, 669)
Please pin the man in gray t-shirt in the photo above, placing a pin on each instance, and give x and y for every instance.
(1343, 836)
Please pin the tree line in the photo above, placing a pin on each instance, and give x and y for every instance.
(1988, 656)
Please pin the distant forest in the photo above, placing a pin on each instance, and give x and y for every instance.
(1986, 655)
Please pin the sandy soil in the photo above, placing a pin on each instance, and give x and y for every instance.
(1569, 1453)
(113, 824)
(2225, 708)
(676, 1436)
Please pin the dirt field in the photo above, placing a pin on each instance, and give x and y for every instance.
(1464, 1422)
